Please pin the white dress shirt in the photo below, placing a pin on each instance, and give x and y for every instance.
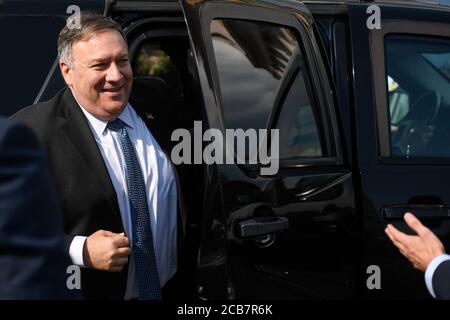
(161, 191)
(431, 269)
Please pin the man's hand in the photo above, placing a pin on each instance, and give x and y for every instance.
(421, 249)
(105, 250)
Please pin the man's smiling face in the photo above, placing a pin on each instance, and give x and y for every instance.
(100, 75)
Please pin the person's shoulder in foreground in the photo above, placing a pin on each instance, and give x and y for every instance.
(32, 258)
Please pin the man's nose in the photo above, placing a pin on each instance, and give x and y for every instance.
(113, 73)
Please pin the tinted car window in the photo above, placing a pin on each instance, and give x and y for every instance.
(254, 61)
(251, 59)
(299, 136)
(29, 48)
(398, 101)
(419, 97)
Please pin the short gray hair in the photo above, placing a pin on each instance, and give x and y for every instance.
(89, 24)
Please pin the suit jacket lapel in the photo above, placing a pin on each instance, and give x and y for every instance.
(77, 129)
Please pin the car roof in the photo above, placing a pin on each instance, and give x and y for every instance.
(47, 7)
(426, 3)
(441, 2)
(422, 3)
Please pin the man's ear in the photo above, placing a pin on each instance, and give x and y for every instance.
(66, 72)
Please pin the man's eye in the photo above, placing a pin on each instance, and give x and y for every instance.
(99, 66)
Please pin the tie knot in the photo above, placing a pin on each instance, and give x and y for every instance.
(116, 125)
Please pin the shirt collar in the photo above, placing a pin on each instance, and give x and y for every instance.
(125, 116)
(99, 126)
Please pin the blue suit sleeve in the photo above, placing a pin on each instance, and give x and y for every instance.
(33, 260)
(441, 281)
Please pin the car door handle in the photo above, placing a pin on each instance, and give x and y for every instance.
(424, 212)
(324, 186)
(261, 226)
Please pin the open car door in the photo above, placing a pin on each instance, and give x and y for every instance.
(286, 229)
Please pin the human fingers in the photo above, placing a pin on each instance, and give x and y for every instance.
(107, 233)
(393, 233)
(415, 224)
(121, 241)
(119, 262)
(115, 268)
(122, 252)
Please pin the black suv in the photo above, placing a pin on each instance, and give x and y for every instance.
(360, 91)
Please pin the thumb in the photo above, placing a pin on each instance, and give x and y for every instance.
(122, 234)
(415, 224)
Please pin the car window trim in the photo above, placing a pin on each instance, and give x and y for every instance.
(312, 57)
(49, 76)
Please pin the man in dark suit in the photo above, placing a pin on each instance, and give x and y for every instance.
(32, 258)
(426, 253)
(115, 184)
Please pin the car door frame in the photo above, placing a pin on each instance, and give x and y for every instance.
(289, 14)
(283, 13)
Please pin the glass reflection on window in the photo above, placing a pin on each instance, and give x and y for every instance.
(251, 58)
(299, 134)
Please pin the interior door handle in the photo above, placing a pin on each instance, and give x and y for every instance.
(306, 195)
(423, 212)
(261, 226)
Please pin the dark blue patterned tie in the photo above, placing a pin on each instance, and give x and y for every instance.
(144, 253)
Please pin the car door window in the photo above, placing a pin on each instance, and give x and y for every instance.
(398, 101)
(251, 58)
(299, 135)
(254, 62)
(419, 97)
